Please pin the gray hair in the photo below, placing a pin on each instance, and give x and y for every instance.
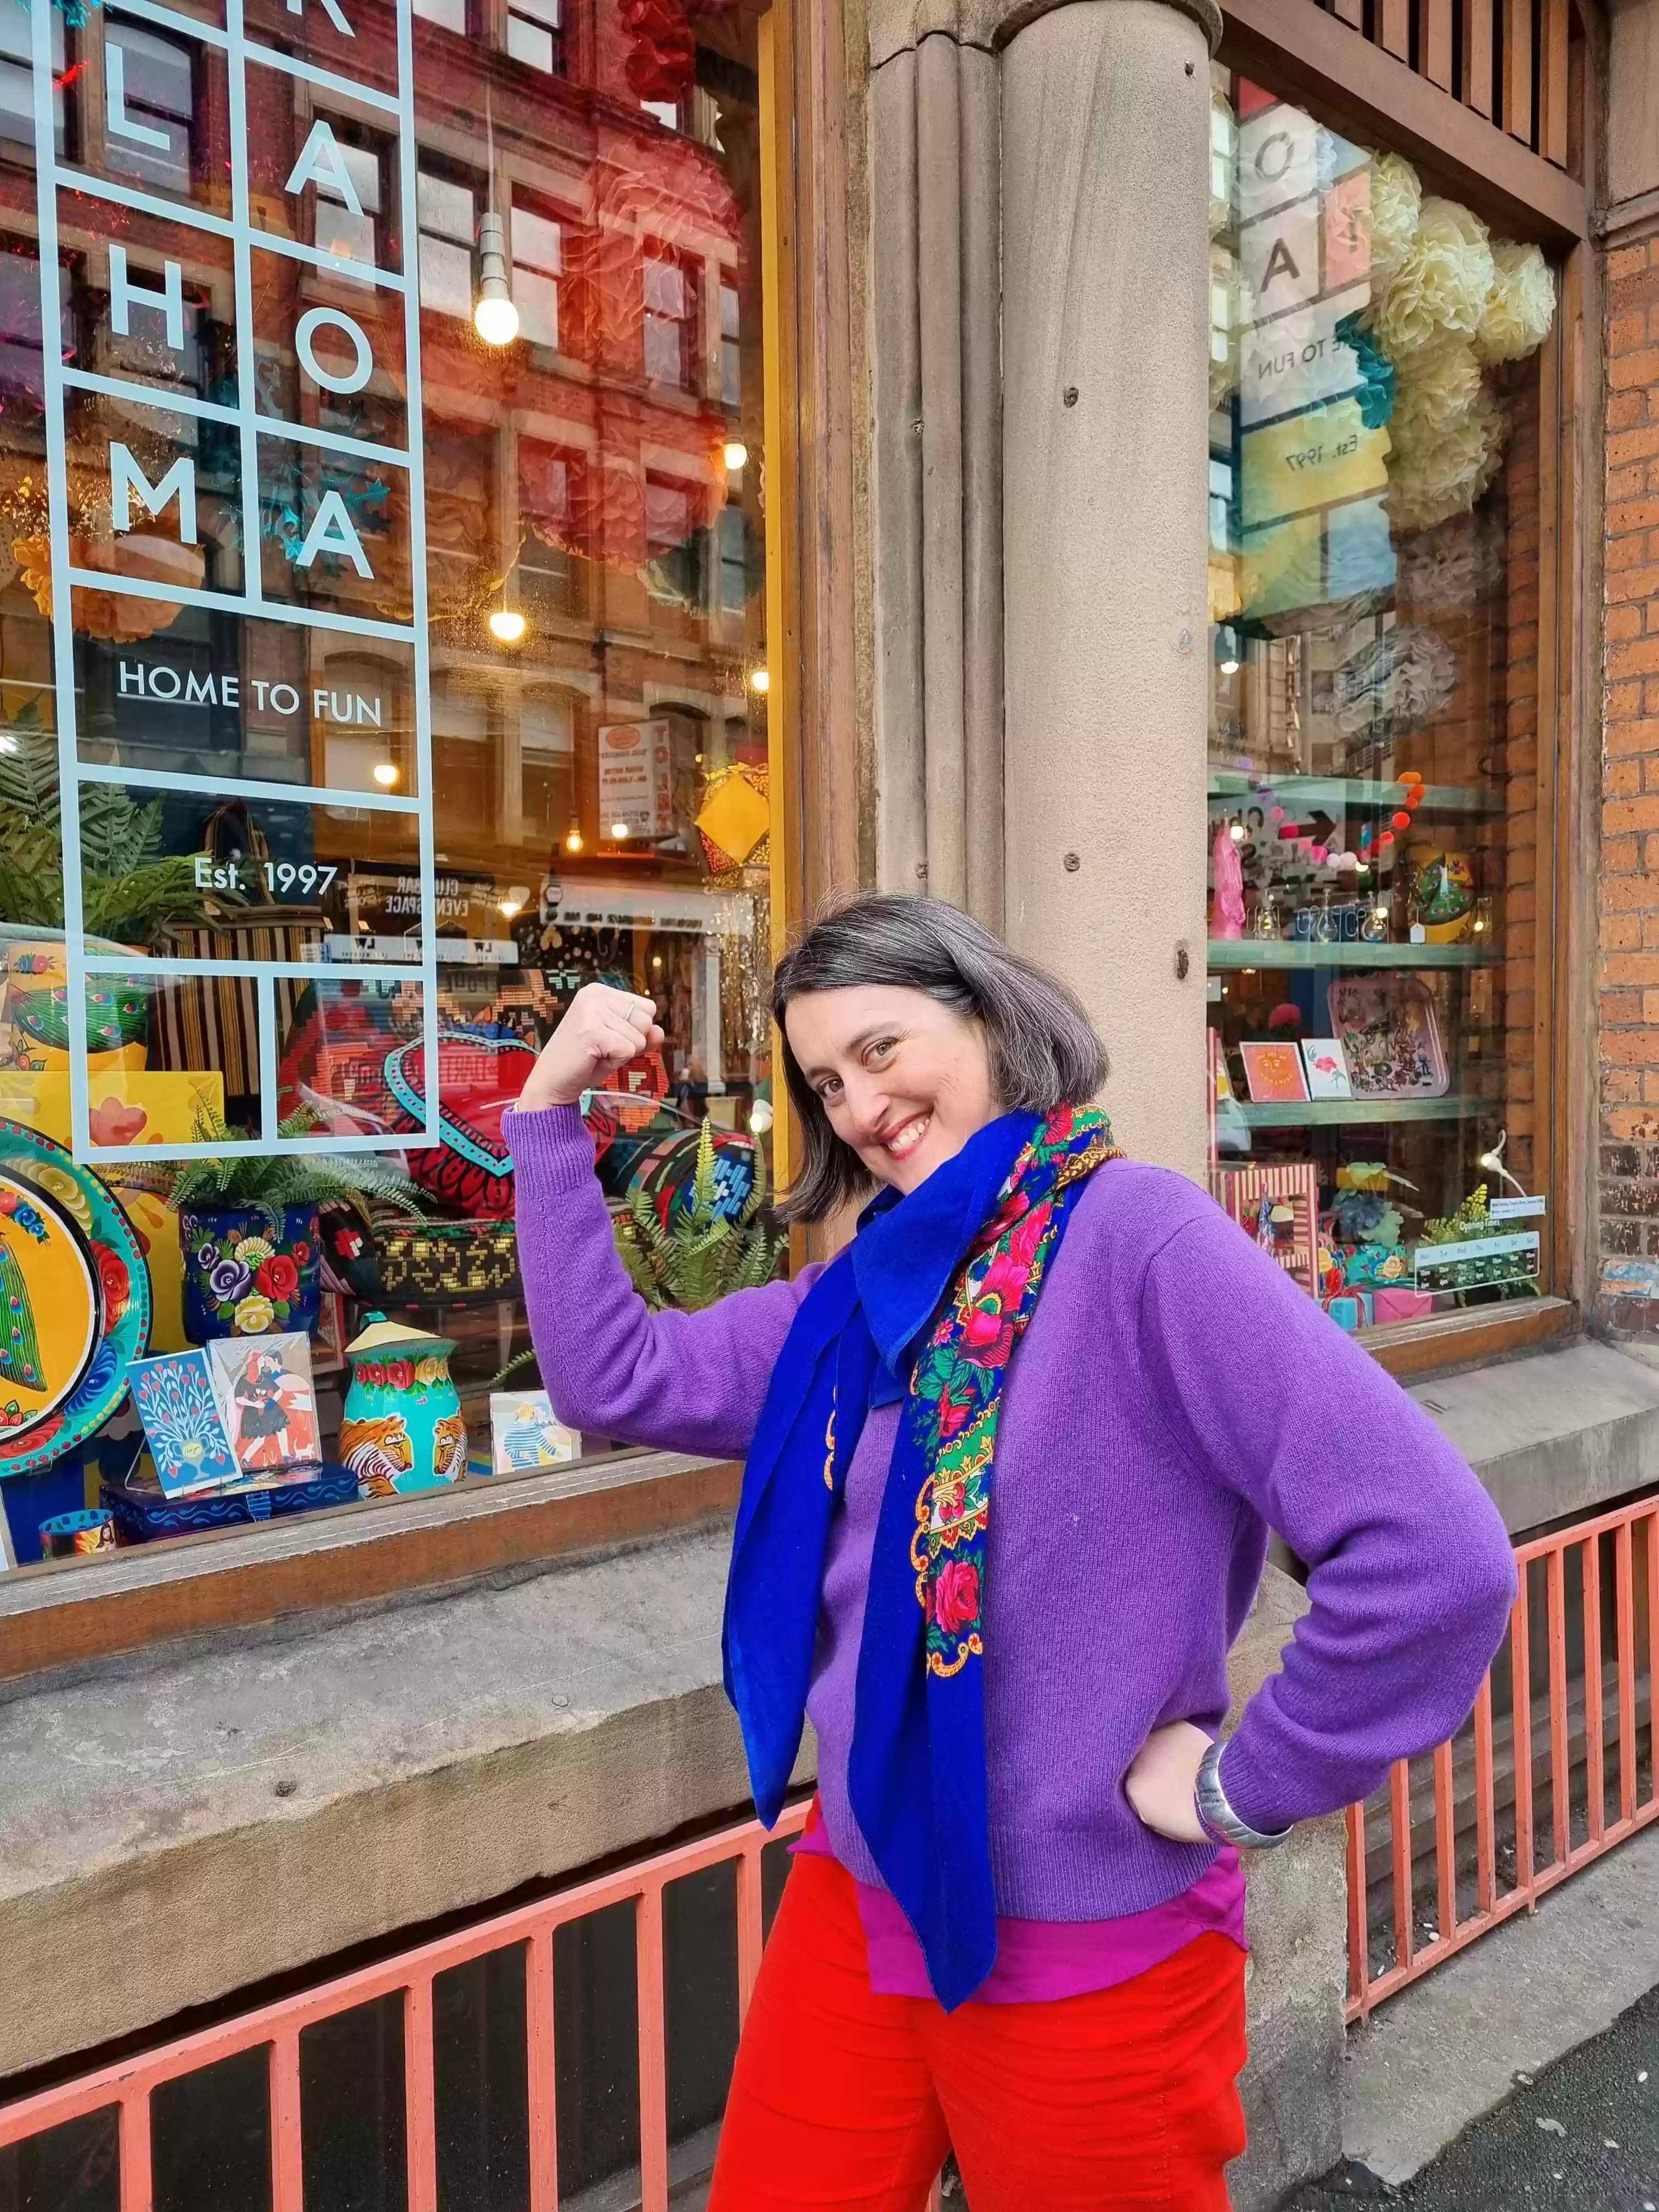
(1043, 1048)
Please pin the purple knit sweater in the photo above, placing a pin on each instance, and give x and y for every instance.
(1175, 1396)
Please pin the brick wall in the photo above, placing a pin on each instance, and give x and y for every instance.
(1627, 1286)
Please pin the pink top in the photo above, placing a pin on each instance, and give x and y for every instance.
(1041, 1960)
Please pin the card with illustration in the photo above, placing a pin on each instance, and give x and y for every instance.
(525, 1433)
(1274, 1073)
(184, 1422)
(1328, 1068)
(270, 1403)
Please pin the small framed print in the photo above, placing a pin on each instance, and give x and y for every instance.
(1274, 1073)
(269, 1406)
(1327, 1066)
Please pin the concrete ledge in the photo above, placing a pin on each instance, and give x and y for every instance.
(180, 1825)
(1554, 1434)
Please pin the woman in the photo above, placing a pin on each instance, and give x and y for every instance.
(1016, 1925)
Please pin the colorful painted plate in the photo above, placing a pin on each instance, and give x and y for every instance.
(49, 1301)
(122, 1285)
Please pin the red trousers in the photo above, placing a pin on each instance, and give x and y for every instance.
(846, 2102)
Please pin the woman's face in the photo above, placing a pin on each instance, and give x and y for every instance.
(903, 1080)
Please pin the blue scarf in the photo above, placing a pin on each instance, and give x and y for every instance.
(926, 1305)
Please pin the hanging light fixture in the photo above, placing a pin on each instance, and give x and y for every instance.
(508, 625)
(495, 317)
(573, 837)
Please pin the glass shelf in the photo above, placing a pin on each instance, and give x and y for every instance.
(1225, 952)
(1354, 790)
(1336, 1113)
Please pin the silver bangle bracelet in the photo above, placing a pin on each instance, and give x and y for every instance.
(1217, 1816)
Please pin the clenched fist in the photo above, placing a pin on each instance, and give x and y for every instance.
(602, 1031)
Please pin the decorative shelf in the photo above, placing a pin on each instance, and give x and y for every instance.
(1293, 952)
(1336, 1113)
(1354, 790)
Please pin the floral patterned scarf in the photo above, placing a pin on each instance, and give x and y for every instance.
(926, 1305)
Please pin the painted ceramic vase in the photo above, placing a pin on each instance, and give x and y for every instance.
(249, 1271)
(1444, 890)
(402, 1428)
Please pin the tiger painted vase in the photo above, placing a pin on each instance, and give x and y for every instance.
(402, 1428)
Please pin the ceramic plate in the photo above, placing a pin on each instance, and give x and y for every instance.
(123, 1296)
(49, 1317)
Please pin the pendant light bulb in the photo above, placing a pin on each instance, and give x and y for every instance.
(508, 625)
(494, 317)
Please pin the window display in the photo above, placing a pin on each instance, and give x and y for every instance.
(1377, 743)
(382, 658)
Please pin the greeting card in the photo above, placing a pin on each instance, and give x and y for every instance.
(183, 1423)
(525, 1433)
(1328, 1068)
(270, 1404)
(1273, 1072)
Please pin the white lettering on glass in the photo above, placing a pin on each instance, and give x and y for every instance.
(116, 121)
(124, 295)
(125, 477)
(331, 9)
(332, 532)
(317, 318)
(321, 162)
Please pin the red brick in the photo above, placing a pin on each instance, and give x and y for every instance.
(1620, 780)
(1621, 856)
(1640, 735)
(1632, 1048)
(1624, 622)
(1623, 1009)
(1621, 702)
(1638, 971)
(1629, 552)
(1639, 658)
(1620, 932)
(1626, 333)
(1626, 261)
(1633, 514)
(1630, 583)
(1629, 894)
(1624, 410)
(1634, 369)
(1629, 482)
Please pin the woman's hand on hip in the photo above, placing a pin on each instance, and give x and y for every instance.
(602, 1031)
(1162, 1782)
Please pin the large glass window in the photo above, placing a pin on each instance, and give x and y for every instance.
(411, 645)
(1376, 733)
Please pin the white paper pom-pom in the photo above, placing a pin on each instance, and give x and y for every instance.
(1521, 305)
(1445, 471)
(1437, 388)
(1441, 288)
(1396, 208)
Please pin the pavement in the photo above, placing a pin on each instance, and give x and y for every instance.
(1580, 2136)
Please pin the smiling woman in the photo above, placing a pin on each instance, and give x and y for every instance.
(1021, 1796)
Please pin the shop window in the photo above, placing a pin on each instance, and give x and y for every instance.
(670, 309)
(149, 84)
(446, 206)
(533, 33)
(552, 501)
(731, 348)
(1376, 736)
(537, 262)
(473, 743)
(341, 228)
(17, 83)
(675, 545)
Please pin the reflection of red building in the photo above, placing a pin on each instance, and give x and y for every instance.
(578, 475)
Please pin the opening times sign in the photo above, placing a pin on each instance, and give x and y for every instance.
(260, 180)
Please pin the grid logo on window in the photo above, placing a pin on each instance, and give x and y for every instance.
(235, 433)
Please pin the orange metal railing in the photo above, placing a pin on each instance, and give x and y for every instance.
(1470, 1841)
(1461, 1839)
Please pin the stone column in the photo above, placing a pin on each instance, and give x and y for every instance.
(1105, 168)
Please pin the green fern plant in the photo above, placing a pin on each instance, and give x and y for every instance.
(266, 1182)
(704, 1255)
(130, 890)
